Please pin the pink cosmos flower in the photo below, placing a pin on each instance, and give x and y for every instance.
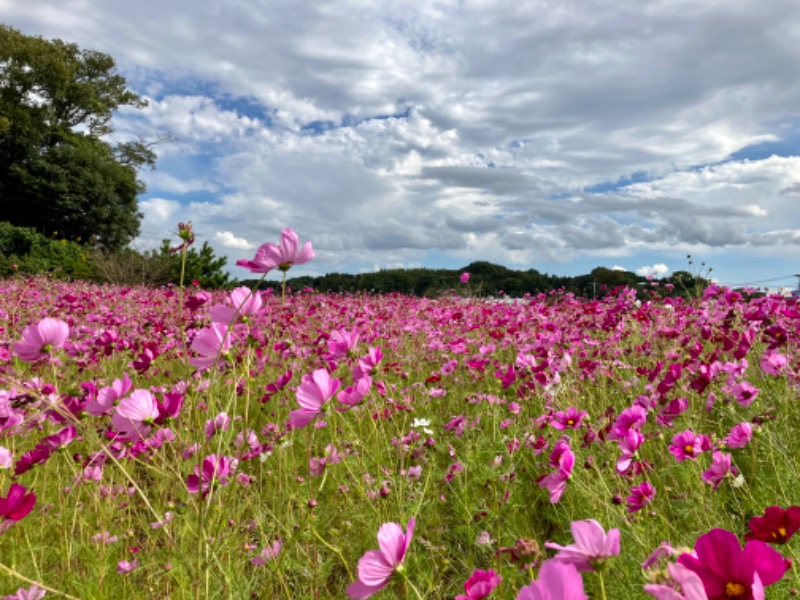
(773, 362)
(210, 343)
(688, 445)
(719, 469)
(283, 257)
(744, 393)
(592, 546)
(41, 339)
(464, 277)
(728, 571)
(243, 303)
(267, 554)
(641, 496)
(480, 585)
(354, 394)
(629, 444)
(135, 414)
(556, 482)
(125, 566)
(32, 593)
(739, 436)
(109, 396)
(557, 581)
(214, 472)
(314, 391)
(632, 417)
(341, 343)
(17, 504)
(376, 567)
(687, 585)
(569, 419)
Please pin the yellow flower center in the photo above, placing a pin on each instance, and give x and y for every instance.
(734, 590)
(688, 449)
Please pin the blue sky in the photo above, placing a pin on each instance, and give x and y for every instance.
(556, 136)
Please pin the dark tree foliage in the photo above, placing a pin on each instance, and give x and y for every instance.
(202, 266)
(57, 174)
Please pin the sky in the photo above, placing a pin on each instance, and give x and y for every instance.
(557, 135)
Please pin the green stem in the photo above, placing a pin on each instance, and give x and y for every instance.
(602, 586)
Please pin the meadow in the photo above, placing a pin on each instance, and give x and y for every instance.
(179, 443)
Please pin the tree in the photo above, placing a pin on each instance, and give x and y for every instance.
(201, 266)
(57, 173)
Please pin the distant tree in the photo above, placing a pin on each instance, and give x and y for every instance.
(201, 266)
(57, 173)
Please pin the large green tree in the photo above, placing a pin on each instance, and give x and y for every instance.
(57, 171)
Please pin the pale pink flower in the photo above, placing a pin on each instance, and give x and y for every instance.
(125, 566)
(243, 303)
(267, 554)
(135, 414)
(744, 393)
(557, 581)
(315, 390)
(32, 593)
(592, 546)
(773, 362)
(108, 397)
(42, 339)
(686, 585)
(219, 423)
(6, 458)
(376, 567)
(210, 343)
(283, 257)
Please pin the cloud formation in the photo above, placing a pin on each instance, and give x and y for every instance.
(554, 136)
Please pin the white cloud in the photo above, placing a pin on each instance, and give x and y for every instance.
(409, 132)
(228, 240)
(657, 270)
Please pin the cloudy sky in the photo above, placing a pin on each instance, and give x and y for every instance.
(559, 135)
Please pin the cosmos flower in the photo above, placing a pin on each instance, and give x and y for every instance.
(42, 339)
(270, 256)
(376, 567)
(592, 546)
(557, 581)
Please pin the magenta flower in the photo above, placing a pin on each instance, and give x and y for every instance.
(376, 567)
(557, 581)
(591, 548)
(719, 469)
(556, 482)
(776, 526)
(32, 593)
(283, 257)
(17, 504)
(739, 436)
(688, 445)
(213, 473)
(314, 391)
(728, 571)
(480, 585)
(569, 419)
(210, 343)
(641, 496)
(744, 393)
(629, 444)
(464, 277)
(41, 339)
(135, 414)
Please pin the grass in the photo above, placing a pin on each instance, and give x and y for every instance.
(481, 455)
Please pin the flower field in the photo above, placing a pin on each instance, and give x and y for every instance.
(169, 443)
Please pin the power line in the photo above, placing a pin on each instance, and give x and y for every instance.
(750, 283)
